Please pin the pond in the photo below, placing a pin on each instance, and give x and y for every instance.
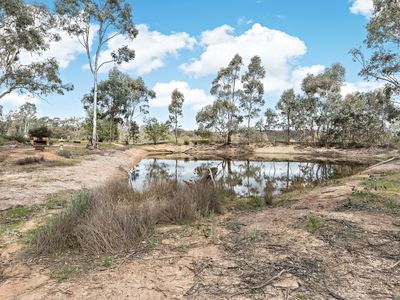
(242, 177)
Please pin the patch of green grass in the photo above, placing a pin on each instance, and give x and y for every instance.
(11, 220)
(246, 203)
(388, 181)
(312, 224)
(367, 200)
(66, 272)
(284, 202)
(20, 212)
(58, 200)
(151, 242)
(3, 140)
(106, 261)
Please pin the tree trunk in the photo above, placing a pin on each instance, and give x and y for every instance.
(176, 133)
(94, 133)
(288, 130)
(248, 131)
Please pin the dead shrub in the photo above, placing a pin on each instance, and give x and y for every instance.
(60, 232)
(64, 153)
(29, 160)
(114, 218)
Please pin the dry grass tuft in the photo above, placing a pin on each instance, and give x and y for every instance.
(114, 218)
(29, 160)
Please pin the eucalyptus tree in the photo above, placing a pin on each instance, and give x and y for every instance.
(253, 91)
(226, 89)
(317, 89)
(137, 104)
(286, 105)
(156, 130)
(214, 118)
(112, 97)
(175, 111)
(25, 29)
(24, 117)
(104, 20)
(383, 40)
(271, 119)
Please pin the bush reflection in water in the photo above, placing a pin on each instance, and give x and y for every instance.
(242, 177)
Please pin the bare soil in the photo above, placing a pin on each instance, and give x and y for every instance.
(268, 253)
(30, 185)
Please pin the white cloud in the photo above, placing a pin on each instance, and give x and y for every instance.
(362, 7)
(195, 98)
(64, 50)
(152, 49)
(361, 86)
(244, 21)
(277, 49)
(14, 99)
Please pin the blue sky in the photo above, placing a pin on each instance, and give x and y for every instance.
(183, 43)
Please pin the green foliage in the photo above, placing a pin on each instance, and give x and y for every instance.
(106, 261)
(253, 91)
(175, 111)
(66, 272)
(382, 40)
(371, 200)
(113, 18)
(286, 106)
(155, 130)
(312, 224)
(223, 116)
(40, 132)
(10, 220)
(26, 29)
(19, 138)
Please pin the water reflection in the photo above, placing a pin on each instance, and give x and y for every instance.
(242, 178)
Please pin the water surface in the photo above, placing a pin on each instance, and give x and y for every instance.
(242, 177)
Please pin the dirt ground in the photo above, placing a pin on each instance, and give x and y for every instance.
(32, 184)
(269, 253)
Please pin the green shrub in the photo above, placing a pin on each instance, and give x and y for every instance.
(312, 224)
(19, 138)
(40, 132)
(186, 142)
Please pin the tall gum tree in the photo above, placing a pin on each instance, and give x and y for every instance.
(226, 88)
(175, 111)
(105, 19)
(253, 91)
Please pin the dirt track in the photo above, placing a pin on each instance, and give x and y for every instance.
(33, 186)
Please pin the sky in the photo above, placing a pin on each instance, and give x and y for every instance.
(182, 44)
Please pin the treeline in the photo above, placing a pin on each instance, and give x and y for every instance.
(319, 115)
(18, 124)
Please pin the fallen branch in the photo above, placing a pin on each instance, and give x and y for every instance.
(260, 286)
(383, 162)
(395, 265)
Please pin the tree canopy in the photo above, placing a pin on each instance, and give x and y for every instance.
(26, 29)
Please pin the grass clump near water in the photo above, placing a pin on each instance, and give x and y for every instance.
(114, 218)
